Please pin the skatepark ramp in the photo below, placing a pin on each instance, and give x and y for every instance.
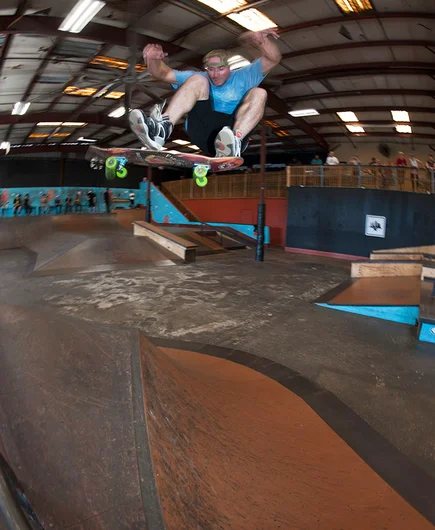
(110, 430)
(175, 244)
(395, 284)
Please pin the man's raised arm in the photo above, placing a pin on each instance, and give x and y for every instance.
(270, 54)
(153, 55)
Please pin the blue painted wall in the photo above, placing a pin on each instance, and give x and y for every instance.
(36, 194)
(163, 211)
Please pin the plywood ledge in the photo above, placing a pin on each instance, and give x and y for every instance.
(175, 244)
(384, 269)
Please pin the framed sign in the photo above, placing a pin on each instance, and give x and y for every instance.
(375, 226)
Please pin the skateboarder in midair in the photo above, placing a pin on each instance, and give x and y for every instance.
(222, 106)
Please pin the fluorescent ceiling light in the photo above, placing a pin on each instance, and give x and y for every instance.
(5, 146)
(400, 115)
(174, 152)
(194, 147)
(117, 113)
(237, 61)
(83, 12)
(403, 129)
(20, 108)
(355, 128)
(73, 124)
(181, 142)
(347, 116)
(49, 124)
(86, 140)
(253, 20)
(303, 112)
(223, 6)
(354, 6)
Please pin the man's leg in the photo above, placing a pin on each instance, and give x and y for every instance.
(250, 111)
(154, 130)
(248, 115)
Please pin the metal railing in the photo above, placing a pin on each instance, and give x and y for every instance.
(247, 185)
(228, 185)
(397, 178)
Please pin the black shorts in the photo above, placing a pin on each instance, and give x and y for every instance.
(204, 123)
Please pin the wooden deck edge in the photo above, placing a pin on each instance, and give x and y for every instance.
(385, 269)
(322, 253)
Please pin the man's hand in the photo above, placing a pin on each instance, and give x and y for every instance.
(153, 52)
(258, 38)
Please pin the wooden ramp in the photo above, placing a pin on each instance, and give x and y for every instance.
(395, 299)
(395, 285)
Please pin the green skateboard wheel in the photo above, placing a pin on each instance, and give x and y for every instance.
(122, 173)
(202, 181)
(110, 173)
(111, 162)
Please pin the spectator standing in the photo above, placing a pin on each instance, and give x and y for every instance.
(107, 200)
(430, 163)
(57, 204)
(68, 204)
(413, 162)
(316, 161)
(132, 197)
(27, 205)
(44, 204)
(17, 204)
(91, 200)
(77, 203)
(332, 160)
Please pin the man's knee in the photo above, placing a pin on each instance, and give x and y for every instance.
(201, 83)
(258, 94)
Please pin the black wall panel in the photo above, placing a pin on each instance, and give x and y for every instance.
(333, 219)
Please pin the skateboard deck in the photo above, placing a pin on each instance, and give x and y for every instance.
(115, 159)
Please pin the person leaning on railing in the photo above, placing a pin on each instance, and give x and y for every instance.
(430, 165)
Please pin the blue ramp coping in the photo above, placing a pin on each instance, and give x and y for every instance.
(426, 332)
(164, 212)
(401, 314)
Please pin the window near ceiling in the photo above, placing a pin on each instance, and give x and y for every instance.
(354, 6)
(90, 91)
(120, 64)
(277, 129)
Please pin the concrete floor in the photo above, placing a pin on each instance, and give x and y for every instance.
(377, 368)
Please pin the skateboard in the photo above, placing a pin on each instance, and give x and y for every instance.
(115, 159)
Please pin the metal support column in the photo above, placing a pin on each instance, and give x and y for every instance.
(148, 207)
(259, 254)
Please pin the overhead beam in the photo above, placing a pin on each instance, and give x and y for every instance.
(47, 25)
(383, 108)
(363, 123)
(359, 93)
(356, 17)
(357, 69)
(354, 45)
(382, 134)
(4, 51)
